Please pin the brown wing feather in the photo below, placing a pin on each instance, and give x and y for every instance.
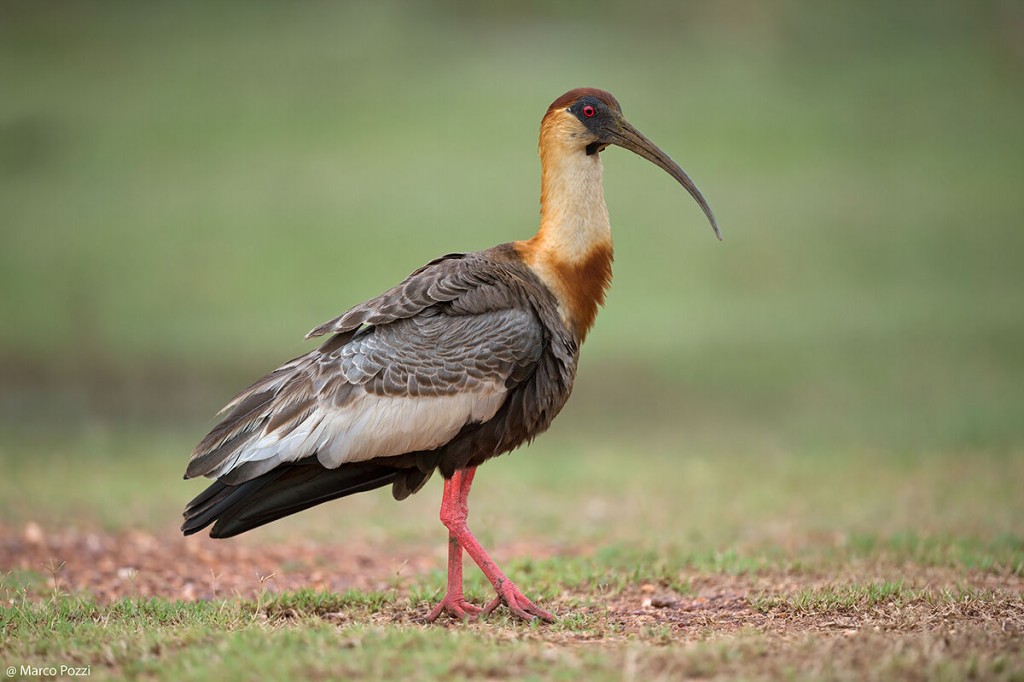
(461, 287)
(455, 346)
(441, 280)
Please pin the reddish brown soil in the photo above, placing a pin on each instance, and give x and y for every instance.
(138, 564)
(141, 564)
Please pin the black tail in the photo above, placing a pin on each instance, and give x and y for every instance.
(287, 489)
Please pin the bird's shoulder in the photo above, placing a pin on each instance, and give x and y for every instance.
(468, 283)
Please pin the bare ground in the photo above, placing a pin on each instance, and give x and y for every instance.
(138, 564)
(111, 566)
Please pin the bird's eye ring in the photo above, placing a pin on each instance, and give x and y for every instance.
(589, 111)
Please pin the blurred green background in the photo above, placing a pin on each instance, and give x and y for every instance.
(187, 188)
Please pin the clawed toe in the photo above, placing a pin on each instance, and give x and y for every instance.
(456, 607)
(518, 604)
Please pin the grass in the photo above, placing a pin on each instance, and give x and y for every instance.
(929, 506)
(851, 599)
(372, 634)
(832, 564)
(795, 454)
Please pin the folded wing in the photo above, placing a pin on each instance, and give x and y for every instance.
(404, 372)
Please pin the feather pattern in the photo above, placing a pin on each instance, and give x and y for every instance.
(465, 359)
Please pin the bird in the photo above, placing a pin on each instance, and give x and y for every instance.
(471, 356)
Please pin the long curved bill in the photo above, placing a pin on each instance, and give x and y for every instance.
(632, 139)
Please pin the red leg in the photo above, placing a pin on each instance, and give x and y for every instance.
(454, 603)
(454, 512)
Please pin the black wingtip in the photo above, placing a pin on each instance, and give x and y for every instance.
(283, 491)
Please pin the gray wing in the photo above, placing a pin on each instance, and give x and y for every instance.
(440, 351)
(441, 280)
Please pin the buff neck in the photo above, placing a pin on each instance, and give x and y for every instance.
(572, 251)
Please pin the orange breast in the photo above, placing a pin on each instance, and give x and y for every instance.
(578, 284)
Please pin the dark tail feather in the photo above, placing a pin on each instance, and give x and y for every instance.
(288, 489)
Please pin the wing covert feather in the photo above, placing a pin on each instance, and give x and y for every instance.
(405, 372)
(439, 281)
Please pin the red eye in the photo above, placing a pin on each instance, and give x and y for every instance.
(589, 111)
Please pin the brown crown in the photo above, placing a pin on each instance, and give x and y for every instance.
(568, 98)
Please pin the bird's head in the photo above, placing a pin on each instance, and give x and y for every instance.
(588, 120)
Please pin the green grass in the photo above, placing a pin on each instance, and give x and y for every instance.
(855, 598)
(365, 634)
(174, 641)
(932, 507)
(819, 418)
(867, 545)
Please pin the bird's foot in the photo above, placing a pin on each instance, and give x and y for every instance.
(456, 606)
(517, 603)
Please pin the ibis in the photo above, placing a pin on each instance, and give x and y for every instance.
(469, 357)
